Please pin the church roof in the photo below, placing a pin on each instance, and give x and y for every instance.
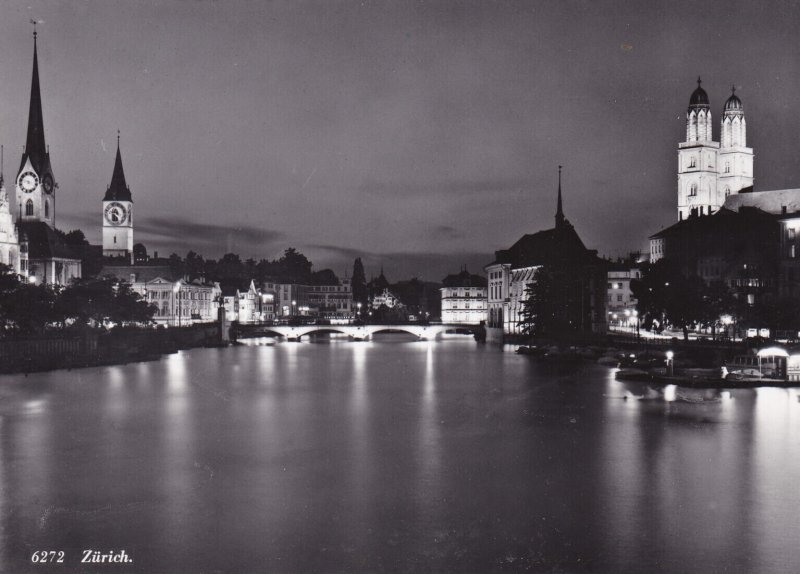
(554, 246)
(44, 242)
(118, 190)
(35, 147)
(699, 97)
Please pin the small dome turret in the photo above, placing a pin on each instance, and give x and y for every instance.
(733, 104)
(699, 99)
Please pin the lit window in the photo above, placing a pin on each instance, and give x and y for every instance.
(29, 207)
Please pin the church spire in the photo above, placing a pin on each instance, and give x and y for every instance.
(118, 190)
(559, 208)
(35, 147)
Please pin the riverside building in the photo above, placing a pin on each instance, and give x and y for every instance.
(514, 270)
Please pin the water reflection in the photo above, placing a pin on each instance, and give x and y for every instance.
(388, 455)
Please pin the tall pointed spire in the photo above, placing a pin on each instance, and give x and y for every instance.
(35, 147)
(559, 208)
(118, 190)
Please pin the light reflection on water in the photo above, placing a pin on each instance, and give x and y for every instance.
(395, 455)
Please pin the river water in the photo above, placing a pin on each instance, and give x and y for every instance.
(396, 456)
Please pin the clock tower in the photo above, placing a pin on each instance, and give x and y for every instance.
(118, 214)
(35, 185)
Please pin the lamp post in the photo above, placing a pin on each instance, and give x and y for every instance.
(636, 317)
(670, 364)
(358, 313)
(627, 318)
(294, 307)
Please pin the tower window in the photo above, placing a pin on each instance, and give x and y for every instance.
(692, 162)
(693, 190)
(47, 208)
(727, 167)
(29, 207)
(727, 191)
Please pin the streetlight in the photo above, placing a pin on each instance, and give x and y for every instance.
(627, 317)
(358, 313)
(636, 317)
(294, 304)
(670, 364)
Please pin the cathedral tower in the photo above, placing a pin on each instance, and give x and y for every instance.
(697, 160)
(735, 158)
(35, 185)
(118, 214)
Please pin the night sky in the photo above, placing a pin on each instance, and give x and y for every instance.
(418, 135)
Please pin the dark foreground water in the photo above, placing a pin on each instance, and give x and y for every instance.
(393, 456)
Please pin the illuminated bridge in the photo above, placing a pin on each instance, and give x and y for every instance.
(355, 332)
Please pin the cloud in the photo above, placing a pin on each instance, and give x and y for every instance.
(453, 187)
(183, 229)
(399, 265)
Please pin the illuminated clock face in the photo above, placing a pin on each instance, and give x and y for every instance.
(115, 213)
(28, 181)
(47, 183)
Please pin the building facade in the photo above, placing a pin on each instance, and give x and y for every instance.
(620, 302)
(178, 301)
(464, 299)
(10, 253)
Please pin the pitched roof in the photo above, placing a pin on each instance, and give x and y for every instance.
(722, 220)
(44, 242)
(464, 279)
(558, 245)
(118, 190)
(143, 273)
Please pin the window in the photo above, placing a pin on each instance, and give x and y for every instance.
(792, 251)
(692, 162)
(727, 167)
(693, 190)
(29, 207)
(619, 297)
(790, 233)
(727, 191)
(47, 208)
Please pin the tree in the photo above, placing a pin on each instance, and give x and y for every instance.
(556, 302)
(293, 266)
(665, 295)
(94, 302)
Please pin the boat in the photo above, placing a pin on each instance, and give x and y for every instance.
(770, 364)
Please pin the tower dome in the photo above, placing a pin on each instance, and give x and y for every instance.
(733, 104)
(699, 99)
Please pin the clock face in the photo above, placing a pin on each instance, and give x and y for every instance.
(28, 181)
(47, 183)
(115, 213)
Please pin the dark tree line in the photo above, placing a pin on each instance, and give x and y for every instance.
(30, 309)
(231, 271)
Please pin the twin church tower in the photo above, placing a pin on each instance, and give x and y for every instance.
(710, 171)
(36, 187)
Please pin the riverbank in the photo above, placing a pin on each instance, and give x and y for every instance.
(93, 348)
